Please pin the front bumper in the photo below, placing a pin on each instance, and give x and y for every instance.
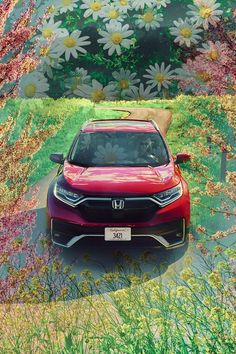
(170, 235)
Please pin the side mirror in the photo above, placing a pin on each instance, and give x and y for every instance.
(180, 158)
(58, 158)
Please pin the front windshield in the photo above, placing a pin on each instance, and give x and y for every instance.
(119, 149)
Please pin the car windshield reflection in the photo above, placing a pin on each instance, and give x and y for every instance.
(119, 149)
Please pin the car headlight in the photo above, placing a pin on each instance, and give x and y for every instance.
(170, 195)
(67, 196)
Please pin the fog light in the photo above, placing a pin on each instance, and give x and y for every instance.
(56, 234)
(179, 234)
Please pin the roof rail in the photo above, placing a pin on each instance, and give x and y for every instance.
(154, 124)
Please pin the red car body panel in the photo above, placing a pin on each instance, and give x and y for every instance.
(121, 180)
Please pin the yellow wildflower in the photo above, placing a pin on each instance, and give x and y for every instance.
(186, 274)
(214, 279)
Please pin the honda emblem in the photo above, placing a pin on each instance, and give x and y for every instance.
(118, 204)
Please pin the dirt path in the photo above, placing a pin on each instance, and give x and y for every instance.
(163, 117)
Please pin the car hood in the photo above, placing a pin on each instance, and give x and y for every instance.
(121, 180)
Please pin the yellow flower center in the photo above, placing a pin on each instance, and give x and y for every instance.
(214, 54)
(124, 84)
(148, 17)
(123, 2)
(116, 37)
(185, 32)
(69, 42)
(75, 83)
(51, 9)
(113, 14)
(44, 51)
(203, 76)
(66, 2)
(110, 158)
(30, 90)
(98, 95)
(205, 11)
(160, 77)
(47, 33)
(140, 98)
(96, 6)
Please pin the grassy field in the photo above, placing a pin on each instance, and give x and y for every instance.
(193, 312)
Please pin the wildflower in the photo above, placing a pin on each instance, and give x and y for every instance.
(97, 92)
(159, 76)
(140, 93)
(154, 312)
(64, 292)
(70, 44)
(140, 4)
(215, 279)
(65, 5)
(201, 229)
(33, 85)
(112, 13)
(93, 8)
(186, 274)
(150, 19)
(205, 12)
(125, 80)
(115, 37)
(186, 32)
(202, 249)
(86, 273)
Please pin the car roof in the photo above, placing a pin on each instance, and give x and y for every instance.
(124, 125)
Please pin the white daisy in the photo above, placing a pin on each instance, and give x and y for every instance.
(112, 13)
(186, 32)
(150, 19)
(50, 30)
(183, 73)
(213, 50)
(140, 4)
(93, 8)
(50, 7)
(79, 77)
(116, 37)
(70, 44)
(160, 3)
(65, 5)
(33, 85)
(123, 5)
(140, 93)
(109, 154)
(125, 81)
(195, 80)
(205, 12)
(97, 92)
(47, 6)
(159, 75)
(49, 61)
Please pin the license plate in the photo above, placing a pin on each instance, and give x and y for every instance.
(117, 233)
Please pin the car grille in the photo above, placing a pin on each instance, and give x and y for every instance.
(102, 211)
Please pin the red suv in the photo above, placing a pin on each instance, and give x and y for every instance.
(119, 181)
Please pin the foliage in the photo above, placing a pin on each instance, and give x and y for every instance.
(17, 58)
